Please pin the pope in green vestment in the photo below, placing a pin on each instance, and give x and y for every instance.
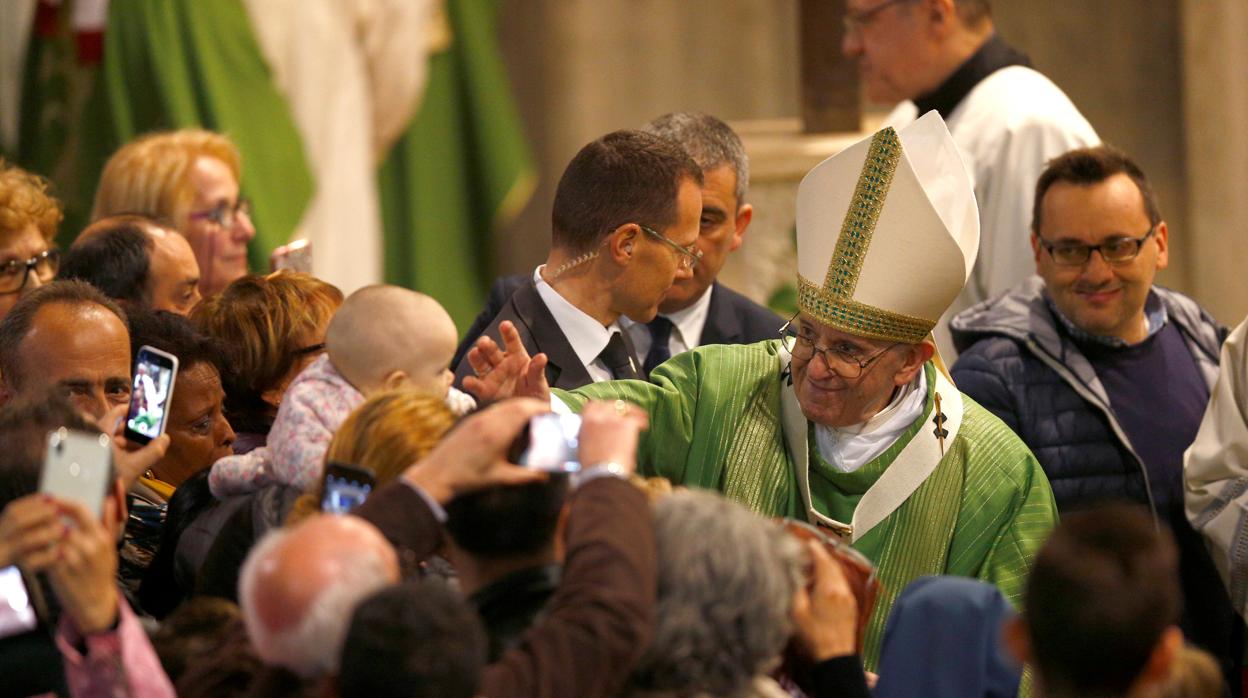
(715, 422)
(924, 481)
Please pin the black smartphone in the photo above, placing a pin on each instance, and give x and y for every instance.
(345, 487)
(550, 442)
(17, 609)
(151, 393)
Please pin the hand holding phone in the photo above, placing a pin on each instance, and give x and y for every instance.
(151, 394)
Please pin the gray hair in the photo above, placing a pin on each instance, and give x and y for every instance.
(709, 141)
(727, 578)
(313, 647)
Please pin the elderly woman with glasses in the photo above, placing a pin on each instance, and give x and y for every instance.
(191, 178)
(28, 221)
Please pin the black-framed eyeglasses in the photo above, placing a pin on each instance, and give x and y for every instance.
(15, 272)
(842, 362)
(689, 256)
(855, 21)
(1114, 251)
(224, 214)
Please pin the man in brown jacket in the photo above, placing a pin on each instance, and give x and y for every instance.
(601, 617)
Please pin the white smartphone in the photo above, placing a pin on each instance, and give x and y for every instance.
(150, 395)
(78, 466)
(297, 256)
(550, 443)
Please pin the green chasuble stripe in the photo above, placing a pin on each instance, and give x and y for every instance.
(460, 173)
(714, 423)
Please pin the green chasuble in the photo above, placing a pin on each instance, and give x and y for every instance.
(715, 422)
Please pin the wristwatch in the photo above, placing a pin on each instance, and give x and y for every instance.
(597, 470)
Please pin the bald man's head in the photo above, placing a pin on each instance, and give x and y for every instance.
(299, 587)
(389, 337)
(137, 260)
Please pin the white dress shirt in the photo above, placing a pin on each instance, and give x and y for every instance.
(587, 336)
(687, 326)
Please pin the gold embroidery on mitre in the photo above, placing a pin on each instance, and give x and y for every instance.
(859, 319)
(863, 214)
(833, 303)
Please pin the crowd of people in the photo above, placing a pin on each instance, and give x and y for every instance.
(747, 505)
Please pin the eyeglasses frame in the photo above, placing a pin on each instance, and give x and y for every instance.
(1139, 246)
(689, 256)
(51, 253)
(822, 352)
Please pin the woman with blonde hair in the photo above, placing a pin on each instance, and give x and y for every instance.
(28, 221)
(191, 178)
(273, 327)
(385, 435)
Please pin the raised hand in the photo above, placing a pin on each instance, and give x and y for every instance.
(825, 611)
(85, 570)
(130, 460)
(609, 433)
(506, 372)
(473, 455)
(30, 529)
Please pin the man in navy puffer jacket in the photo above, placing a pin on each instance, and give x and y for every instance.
(1102, 374)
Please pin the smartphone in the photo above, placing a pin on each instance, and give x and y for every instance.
(78, 466)
(154, 374)
(297, 256)
(550, 442)
(345, 487)
(17, 611)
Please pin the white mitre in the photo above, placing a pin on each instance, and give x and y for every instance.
(887, 233)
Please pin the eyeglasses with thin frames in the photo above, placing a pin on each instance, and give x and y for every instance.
(689, 256)
(224, 214)
(842, 363)
(1114, 251)
(15, 273)
(855, 21)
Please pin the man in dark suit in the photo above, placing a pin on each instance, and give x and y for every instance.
(625, 222)
(697, 310)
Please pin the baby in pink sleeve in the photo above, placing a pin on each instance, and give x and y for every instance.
(383, 337)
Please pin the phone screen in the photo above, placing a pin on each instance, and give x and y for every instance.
(346, 487)
(151, 392)
(553, 443)
(17, 613)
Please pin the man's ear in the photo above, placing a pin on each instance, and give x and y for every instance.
(918, 355)
(1036, 249)
(1017, 640)
(745, 214)
(622, 242)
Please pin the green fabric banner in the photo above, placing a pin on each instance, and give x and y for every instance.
(460, 172)
(172, 64)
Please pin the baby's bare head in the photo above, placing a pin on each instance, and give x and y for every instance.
(388, 337)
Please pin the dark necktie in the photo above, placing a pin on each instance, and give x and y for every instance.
(660, 334)
(619, 358)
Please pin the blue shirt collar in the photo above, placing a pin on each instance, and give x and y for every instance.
(1154, 313)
